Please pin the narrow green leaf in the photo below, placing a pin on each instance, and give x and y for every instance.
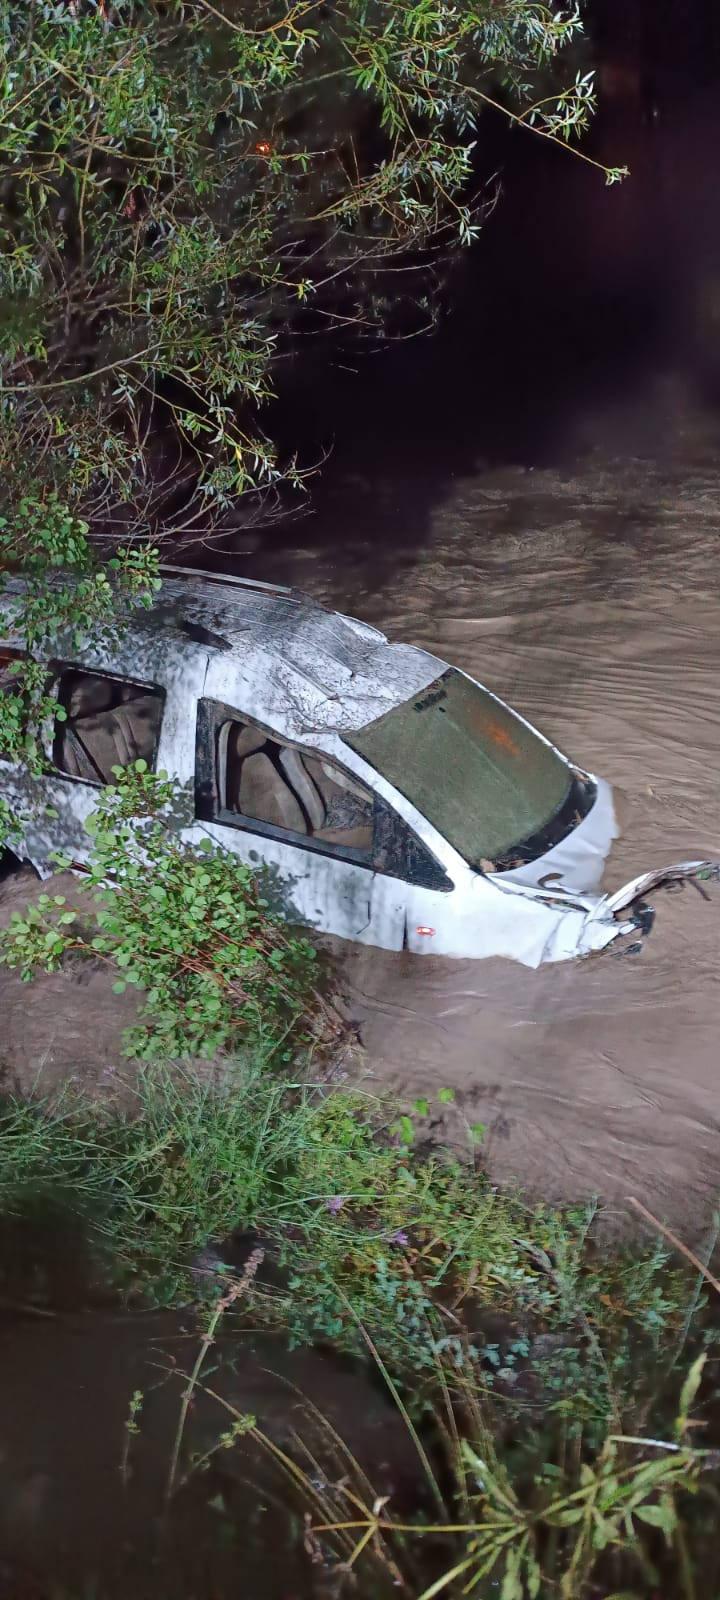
(689, 1391)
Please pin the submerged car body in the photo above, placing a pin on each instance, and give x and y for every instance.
(395, 800)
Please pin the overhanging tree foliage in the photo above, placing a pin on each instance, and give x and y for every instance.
(188, 188)
(188, 185)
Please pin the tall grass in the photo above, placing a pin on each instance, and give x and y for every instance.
(542, 1378)
(194, 1160)
(418, 1250)
(561, 1516)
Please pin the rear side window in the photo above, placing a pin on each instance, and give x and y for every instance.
(9, 661)
(7, 656)
(14, 722)
(109, 722)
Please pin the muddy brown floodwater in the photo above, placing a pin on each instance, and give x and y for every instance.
(589, 598)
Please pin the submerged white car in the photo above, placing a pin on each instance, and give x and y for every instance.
(397, 801)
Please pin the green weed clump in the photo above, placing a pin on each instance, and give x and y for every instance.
(192, 1161)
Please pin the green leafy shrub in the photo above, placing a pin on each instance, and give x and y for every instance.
(10, 827)
(189, 927)
(68, 595)
(190, 187)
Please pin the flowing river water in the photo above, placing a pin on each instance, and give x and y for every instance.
(587, 595)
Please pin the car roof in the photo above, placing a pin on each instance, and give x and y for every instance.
(334, 670)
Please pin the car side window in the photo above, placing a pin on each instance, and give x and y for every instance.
(9, 660)
(109, 722)
(254, 777)
(247, 777)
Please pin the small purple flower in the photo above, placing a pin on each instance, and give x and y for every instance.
(335, 1203)
(400, 1237)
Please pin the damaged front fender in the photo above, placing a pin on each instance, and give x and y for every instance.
(681, 872)
(603, 923)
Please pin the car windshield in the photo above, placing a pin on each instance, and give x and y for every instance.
(470, 766)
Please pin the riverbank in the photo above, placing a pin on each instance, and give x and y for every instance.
(471, 1327)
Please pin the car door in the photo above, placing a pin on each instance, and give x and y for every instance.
(331, 849)
(296, 817)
